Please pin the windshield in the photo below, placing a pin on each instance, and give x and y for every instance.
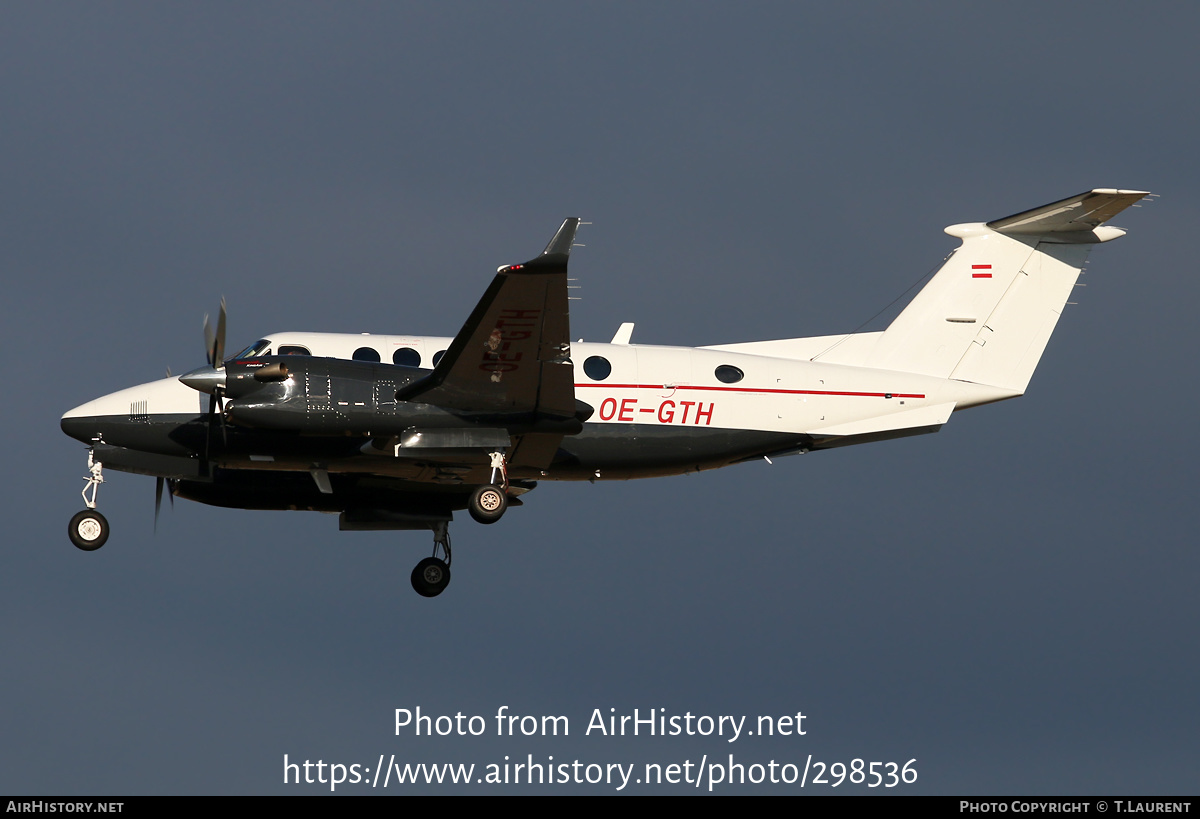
(260, 347)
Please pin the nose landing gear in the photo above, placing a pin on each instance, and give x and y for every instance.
(88, 529)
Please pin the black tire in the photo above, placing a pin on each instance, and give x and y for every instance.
(487, 503)
(431, 577)
(88, 530)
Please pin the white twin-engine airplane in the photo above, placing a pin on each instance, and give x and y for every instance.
(321, 422)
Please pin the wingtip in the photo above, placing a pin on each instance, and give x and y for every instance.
(564, 238)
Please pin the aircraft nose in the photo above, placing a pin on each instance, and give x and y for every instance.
(78, 426)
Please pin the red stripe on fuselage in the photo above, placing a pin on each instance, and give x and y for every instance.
(753, 389)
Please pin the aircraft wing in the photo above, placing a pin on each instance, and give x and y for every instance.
(512, 356)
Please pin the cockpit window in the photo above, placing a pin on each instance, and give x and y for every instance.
(260, 347)
(293, 349)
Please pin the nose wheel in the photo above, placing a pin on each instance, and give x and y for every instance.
(88, 530)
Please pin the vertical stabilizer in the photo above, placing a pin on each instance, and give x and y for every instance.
(987, 315)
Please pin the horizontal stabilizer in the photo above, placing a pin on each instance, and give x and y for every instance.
(1080, 214)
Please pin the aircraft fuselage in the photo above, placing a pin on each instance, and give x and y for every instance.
(658, 411)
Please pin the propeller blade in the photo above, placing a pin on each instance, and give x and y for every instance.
(214, 342)
(212, 407)
(211, 381)
(219, 349)
(158, 487)
(210, 342)
(158, 493)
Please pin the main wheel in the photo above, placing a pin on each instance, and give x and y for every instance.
(487, 503)
(431, 577)
(88, 530)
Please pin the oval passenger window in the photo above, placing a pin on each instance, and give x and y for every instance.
(366, 354)
(406, 357)
(728, 374)
(597, 368)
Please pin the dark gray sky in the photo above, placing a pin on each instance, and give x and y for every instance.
(1010, 602)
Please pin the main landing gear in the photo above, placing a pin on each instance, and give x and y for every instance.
(486, 504)
(432, 575)
(89, 529)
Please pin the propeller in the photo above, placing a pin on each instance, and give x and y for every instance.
(214, 348)
(211, 379)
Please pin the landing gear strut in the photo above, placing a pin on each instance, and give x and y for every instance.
(88, 529)
(432, 575)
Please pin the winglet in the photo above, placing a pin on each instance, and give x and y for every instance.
(554, 258)
(562, 241)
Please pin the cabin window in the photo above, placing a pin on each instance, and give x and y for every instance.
(728, 374)
(406, 357)
(597, 368)
(366, 354)
(438, 357)
(293, 349)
